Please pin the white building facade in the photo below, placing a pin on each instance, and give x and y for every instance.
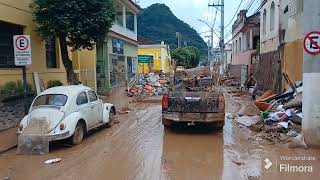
(269, 26)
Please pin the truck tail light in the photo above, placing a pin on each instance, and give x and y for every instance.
(165, 101)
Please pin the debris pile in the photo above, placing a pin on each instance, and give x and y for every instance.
(280, 117)
(149, 85)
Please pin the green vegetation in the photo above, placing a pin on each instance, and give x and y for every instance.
(54, 83)
(158, 23)
(13, 88)
(78, 24)
(187, 57)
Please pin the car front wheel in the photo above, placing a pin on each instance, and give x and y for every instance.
(111, 118)
(78, 134)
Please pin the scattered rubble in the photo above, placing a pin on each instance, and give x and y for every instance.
(276, 117)
(248, 120)
(149, 85)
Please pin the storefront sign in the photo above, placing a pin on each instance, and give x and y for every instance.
(117, 46)
(146, 59)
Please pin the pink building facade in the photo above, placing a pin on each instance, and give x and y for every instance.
(245, 38)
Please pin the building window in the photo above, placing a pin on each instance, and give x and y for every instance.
(256, 42)
(264, 22)
(233, 47)
(119, 14)
(236, 48)
(51, 56)
(272, 11)
(240, 45)
(130, 16)
(6, 43)
(117, 46)
(118, 74)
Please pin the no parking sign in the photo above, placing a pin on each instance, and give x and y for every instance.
(312, 43)
(22, 50)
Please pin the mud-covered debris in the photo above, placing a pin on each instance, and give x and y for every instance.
(238, 162)
(256, 127)
(292, 134)
(253, 177)
(248, 120)
(123, 112)
(297, 142)
(249, 110)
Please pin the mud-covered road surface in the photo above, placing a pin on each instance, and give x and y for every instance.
(139, 148)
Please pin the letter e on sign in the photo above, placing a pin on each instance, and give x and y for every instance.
(312, 43)
(22, 50)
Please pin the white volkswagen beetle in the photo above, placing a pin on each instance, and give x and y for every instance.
(70, 111)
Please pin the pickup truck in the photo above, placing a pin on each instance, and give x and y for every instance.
(194, 99)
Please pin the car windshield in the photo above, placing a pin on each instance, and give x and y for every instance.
(50, 100)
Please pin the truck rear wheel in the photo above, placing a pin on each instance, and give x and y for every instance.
(219, 125)
(166, 122)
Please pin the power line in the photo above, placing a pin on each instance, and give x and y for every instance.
(248, 7)
(215, 18)
(235, 14)
(260, 7)
(247, 4)
(251, 3)
(254, 7)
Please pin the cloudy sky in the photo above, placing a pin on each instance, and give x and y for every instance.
(191, 10)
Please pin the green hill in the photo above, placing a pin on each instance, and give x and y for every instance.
(158, 23)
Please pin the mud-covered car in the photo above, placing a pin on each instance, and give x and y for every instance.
(67, 112)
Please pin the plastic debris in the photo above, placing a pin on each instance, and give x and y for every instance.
(52, 161)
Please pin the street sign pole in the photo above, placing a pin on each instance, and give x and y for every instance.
(22, 57)
(24, 77)
(311, 73)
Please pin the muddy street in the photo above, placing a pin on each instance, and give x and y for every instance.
(139, 148)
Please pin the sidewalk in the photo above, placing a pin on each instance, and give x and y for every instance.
(8, 139)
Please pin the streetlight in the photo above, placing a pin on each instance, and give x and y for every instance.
(212, 32)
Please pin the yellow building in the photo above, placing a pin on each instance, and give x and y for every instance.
(161, 58)
(109, 65)
(16, 19)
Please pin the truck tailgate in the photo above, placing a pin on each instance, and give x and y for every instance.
(194, 102)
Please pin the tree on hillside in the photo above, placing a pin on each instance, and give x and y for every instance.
(156, 27)
(187, 57)
(76, 23)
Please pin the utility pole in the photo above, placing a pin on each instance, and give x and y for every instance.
(208, 51)
(311, 73)
(221, 42)
(178, 35)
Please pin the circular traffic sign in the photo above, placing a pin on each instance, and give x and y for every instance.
(22, 43)
(312, 43)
